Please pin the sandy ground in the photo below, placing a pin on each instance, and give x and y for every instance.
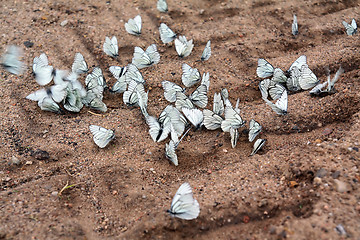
(303, 184)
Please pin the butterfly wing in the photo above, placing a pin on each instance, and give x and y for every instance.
(190, 76)
(254, 130)
(166, 34)
(307, 78)
(183, 101)
(79, 66)
(212, 121)
(264, 68)
(294, 26)
(234, 135)
(133, 74)
(101, 136)
(298, 62)
(170, 90)
(199, 96)
(170, 152)
(183, 205)
(162, 6)
(218, 106)
(195, 116)
(258, 145)
(207, 52)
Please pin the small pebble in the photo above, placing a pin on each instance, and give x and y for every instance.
(340, 186)
(321, 173)
(28, 163)
(63, 23)
(340, 230)
(54, 193)
(28, 44)
(317, 180)
(15, 160)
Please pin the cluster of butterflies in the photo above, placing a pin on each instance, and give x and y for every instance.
(351, 29)
(298, 77)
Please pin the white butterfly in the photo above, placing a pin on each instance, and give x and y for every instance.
(10, 60)
(42, 71)
(183, 101)
(232, 119)
(48, 104)
(319, 89)
(254, 130)
(218, 106)
(292, 83)
(307, 78)
(133, 26)
(79, 66)
(258, 145)
(102, 136)
(206, 80)
(279, 76)
(280, 107)
(166, 34)
(162, 6)
(212, 120)
(264, 86)
(93, 100)
(95, 79)
(276, 91)
(195, 116)
(264, 68)
(170, 152)
(133, 74)
(111, 47)
(146, 58)
(170, 90)
(73, 100)
(207, 52)
(234, 134)
(130, 96)
(224, 94)
(183, 47)
(294, 27)
(119, 73)
(184, 205)
(350, 29)
(190, 76)
(298, 62)
(178, 121)
(158, 130)
(199, 96)
(55, 92)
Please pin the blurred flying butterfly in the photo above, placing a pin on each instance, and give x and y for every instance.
(294, 27)
(254, 130)
(280, 107)
(190, 76)
(234, 134)
(111, 47)
(207, 52)
(170, 90)
(42, 71)
(351, 29)
(184, 205)
(119, 73)
(133, 74)
(10, 60)
(79, 66)
(55, 92)
(170, 152)
(162, 6)
(307, 78)
(102, 136)
(195, 116)
(146, 58)
(133, 26)
(212, 120)
(232, 119)
(257, 146)
(183, 47)
(264, 68)
(166, 34)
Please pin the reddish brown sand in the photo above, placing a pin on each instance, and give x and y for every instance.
(123, 191)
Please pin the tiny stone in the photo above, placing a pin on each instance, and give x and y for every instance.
(28, 44)
(202, 11)
(15, 160)
(340, 230)
(28, 163)
(151, 169)
(41, 155)
(63, 23)
(327, 131)
(321, 173)
(7, 179)
(340, 186)
(54, 193)
(143, 196)
(317, 180)
(225, 150)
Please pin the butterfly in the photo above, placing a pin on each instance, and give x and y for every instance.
(276, 91)
(170, 90)
(55, 92)
(218, 106)
(307, 78)
(298, 62)
(119, 73)
(10, 60)
(183, 47)
(130, 96)
(292, 82)
(183, 204)
(294, 27)
(206, 80)
(224, 94)
(170, 152)
(207, 52)
(146, 58)
(133, 74)
(190, 76)
(264, 68)
(351, 29)
(72, 102)
(232, 119)
(111, 47)
(79, 66)
(133, 26)
(178, 121)
(195, 116)
(48, 104)
(234, 134)
(280, 107)
(95, 79)
(94, 100)
(198, 97)
(254, 130)
(158, 130)
(101, 136)
(329, 84)
(162, 6)
(257, 146)
(42, 71)
(166, 34)
(212, 121)
(279, 76)
(264, 86)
